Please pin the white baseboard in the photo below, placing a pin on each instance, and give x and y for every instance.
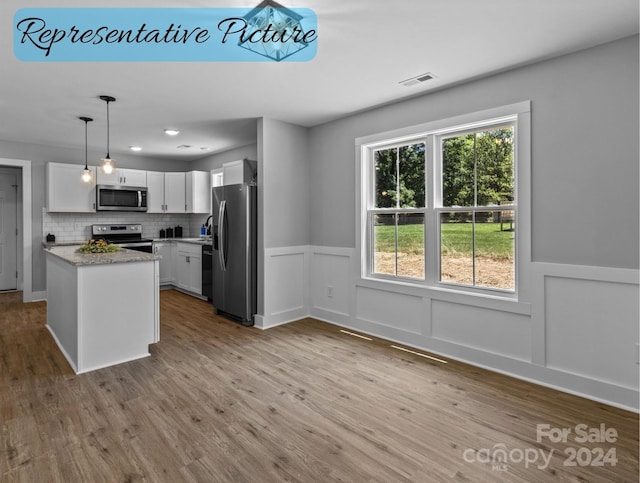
(37, 296)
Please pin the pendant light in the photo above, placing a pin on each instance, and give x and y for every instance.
(107, 162)
(86, 172)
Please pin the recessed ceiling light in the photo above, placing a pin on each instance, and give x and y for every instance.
(204, 148)
(135, 148)
(171, 132)
(184, 146)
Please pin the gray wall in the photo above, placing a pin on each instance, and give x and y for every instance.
(217, 160)
(284, 184)
(283, 191)
(584, 153)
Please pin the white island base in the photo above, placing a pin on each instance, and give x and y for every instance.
(102, 309)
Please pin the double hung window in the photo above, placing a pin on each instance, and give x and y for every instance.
(440, 207)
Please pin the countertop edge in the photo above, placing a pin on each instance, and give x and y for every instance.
(192, 241)
(69, 254)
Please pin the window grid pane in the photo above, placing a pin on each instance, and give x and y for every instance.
(456, 247)
(477, 248)
(384, 244)
(410, 261)
(411, 182)
(477, 168)
(399, 244)
(400, 176)
(494, 259)
(385, 165)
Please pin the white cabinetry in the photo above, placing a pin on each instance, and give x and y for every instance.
(237, 172)
(94, 331)
(155, 192)
(166, 192)
(166, 264)
(123, 177)
(66, 192)
(174, 193)
(188, 267)
(198, 192)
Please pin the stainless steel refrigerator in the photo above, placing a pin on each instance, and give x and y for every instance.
(234, 215)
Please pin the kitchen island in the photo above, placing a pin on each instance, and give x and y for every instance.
(102, 308)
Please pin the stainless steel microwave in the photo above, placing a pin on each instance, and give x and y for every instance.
(121, 198)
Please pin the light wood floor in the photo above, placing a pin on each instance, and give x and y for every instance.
(218, 402)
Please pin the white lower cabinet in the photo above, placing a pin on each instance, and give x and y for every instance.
(188, 267)
(166, 266)
(180, 265)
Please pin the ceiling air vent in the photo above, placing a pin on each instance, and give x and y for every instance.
(417, 79)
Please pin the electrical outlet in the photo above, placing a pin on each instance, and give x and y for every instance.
(330, 291)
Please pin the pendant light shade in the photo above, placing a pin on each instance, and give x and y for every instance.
(107, 163)
(86, 172)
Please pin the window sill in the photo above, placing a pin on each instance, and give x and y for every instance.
(504, 303)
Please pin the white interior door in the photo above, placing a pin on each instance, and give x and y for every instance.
(8, 232)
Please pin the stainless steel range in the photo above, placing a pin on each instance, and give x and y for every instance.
(126, 235)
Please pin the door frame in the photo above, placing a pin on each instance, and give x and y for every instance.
(26, 286)
(17, 172)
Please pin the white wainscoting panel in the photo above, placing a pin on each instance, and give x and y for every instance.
(286, 280)
(592, 328)
(331, 283)
(488, 330)
(403, 312)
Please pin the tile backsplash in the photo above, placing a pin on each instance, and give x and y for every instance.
(77, 226)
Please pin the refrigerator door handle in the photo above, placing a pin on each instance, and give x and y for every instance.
(222, 234)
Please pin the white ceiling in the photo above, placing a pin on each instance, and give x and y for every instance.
(365, 48)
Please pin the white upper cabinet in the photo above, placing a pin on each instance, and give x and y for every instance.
(174, 193)
(237, 172)
(66, 192)
(165, 192)
(233, 172)
(198, 192)
(155, 192)
(123, 177)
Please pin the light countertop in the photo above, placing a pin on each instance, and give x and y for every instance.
(70, 254)
(193, 240)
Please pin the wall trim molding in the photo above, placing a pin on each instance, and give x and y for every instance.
(317, 268)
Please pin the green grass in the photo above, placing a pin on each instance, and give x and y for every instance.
(456, 239)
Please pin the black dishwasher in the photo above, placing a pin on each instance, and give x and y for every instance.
(207, 271)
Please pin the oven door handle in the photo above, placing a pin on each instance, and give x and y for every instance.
(139, 199)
